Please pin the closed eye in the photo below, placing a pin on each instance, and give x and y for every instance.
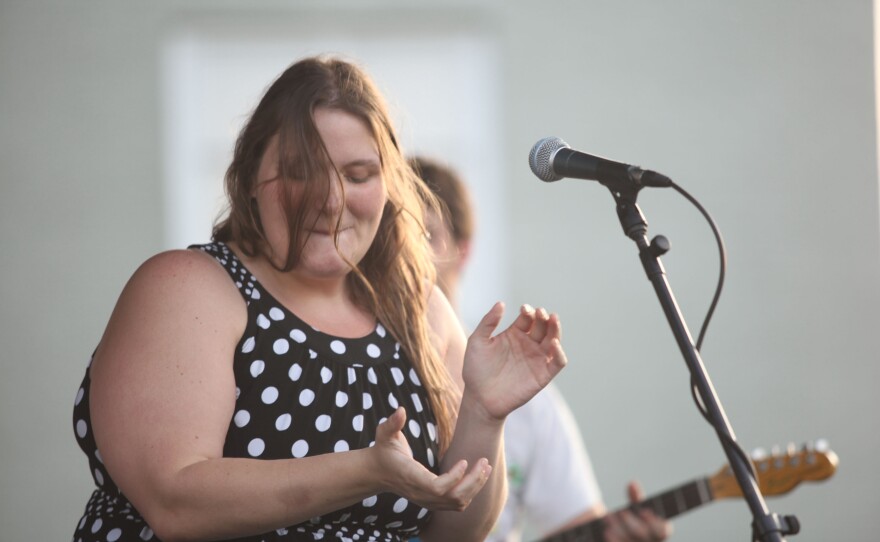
(360, 171)
(359, 177)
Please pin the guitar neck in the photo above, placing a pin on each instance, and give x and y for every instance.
(666, 505)
(777, 474)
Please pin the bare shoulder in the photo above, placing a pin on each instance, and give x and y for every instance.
(180, 265)
(187, 273)
(173, 289)
(446, 333)
(441, 316)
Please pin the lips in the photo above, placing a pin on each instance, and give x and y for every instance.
(319, 231)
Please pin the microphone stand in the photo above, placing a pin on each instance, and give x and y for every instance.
(766, 526)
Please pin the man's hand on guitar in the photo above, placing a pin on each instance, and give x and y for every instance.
(641, 525)
(778, 474)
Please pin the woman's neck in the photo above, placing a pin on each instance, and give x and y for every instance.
(325, 303)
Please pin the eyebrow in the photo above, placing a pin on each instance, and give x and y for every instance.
(361, 162)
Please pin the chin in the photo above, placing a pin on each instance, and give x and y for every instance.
(326, 268)
(326, 271)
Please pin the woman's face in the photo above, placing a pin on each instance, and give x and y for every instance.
(355, 168)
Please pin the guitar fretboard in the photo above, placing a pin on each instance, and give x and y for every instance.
(666, 505)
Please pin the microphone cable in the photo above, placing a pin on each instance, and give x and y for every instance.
(722, 269)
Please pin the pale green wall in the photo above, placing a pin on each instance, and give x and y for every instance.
(762, 110)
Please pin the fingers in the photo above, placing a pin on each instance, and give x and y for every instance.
(546, 329)
(472, 483)
(553, 330)
(659, 528)
(558, 359)
(626, 526)
(448, 480)
(459, 486)
(552, 344)
(554, 327)
(636, 524)
(538, 323)
(634, 489)
(525, 319)
(490, 321)
(539, 328)
(392, 425)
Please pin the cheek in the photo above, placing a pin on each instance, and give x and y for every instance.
(272, 196)
(271, 209)
(272, 214)
(368, 205)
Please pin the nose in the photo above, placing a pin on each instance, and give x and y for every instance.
(332, 203)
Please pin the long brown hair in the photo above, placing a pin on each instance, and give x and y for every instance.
(393, 278)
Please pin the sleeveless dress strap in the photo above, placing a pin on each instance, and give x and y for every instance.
(240, 275)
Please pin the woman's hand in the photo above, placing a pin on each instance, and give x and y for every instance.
(503, 372)
(404, 476)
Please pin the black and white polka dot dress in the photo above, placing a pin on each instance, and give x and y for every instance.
(300, 392)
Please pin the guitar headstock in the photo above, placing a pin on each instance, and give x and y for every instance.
(780, 471)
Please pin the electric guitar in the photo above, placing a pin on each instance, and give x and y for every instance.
(777, 474)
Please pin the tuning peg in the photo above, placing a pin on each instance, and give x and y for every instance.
(810, 452)
(759, 458)
(791, 452)
(778, 457)
(820, 446)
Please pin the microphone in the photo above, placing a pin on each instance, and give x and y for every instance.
(551, 159)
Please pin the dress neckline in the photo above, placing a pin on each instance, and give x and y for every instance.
(378, 343)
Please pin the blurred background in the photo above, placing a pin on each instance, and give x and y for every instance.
(117, 121)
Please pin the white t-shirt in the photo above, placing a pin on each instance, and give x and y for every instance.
(549, 475)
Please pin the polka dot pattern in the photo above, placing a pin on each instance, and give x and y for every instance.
(111, 518)
(299, 393)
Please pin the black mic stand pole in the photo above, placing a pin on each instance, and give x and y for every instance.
(766, 526)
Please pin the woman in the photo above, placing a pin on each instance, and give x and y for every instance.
(327, 390)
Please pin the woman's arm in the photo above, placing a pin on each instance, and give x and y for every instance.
(497, 374)
(162, 396)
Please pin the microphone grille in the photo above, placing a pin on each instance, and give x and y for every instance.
(540, 155)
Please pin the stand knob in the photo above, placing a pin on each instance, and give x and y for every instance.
(659, 246)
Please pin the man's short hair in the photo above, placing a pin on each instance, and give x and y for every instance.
(448, 186)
